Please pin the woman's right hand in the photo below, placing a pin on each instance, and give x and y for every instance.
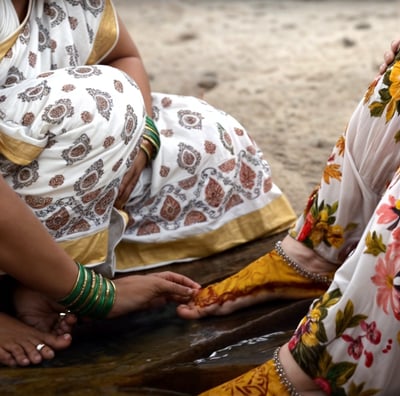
(139, 292)
(130, 179)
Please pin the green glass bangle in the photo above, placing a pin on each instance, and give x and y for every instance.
(92, 294)
(105, 302)
(152, 142)
(153, 136)
(99, 310)
(110, 298)
(87, 275)
(150, 123)
(91, 299)
(76, 289)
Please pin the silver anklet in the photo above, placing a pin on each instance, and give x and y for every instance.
(282, 374)
(292, 264)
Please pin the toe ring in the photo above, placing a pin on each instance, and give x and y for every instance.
(39, 347)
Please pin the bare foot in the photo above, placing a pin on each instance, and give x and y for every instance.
(40, 312)
(18, 343)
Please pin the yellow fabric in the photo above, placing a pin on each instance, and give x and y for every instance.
(261, 381)
(268, 275)
(17, 151)
(6, 45)
(107, 35)
(272, 219)
(88, 250)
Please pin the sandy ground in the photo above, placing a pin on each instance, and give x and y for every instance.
(291, 71)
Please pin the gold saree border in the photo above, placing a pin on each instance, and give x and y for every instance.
(106, 36)
(17, 151)
(6, 45)
(277, 216)
(88, 250)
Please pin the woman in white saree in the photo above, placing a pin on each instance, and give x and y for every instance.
(121, 178)
(206, 190)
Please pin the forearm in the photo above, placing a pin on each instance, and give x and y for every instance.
(28, 253)
(133, 66)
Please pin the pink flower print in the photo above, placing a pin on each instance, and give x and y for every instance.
(396, 239)
(369, 359)
(387, 270)
(389, 213)
(356, 346)
(372, 334)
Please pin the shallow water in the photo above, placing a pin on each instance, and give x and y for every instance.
(157, 353)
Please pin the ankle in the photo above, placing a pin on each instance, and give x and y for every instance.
(299, 380)
(306, 257)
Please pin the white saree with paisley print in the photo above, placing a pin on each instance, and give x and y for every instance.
(69, 129)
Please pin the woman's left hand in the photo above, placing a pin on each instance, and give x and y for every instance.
(130, 179)
(388, 56)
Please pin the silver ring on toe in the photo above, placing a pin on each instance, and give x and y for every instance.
(39, 347)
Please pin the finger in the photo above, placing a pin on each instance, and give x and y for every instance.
(180, 299)
(382, 68)
(395, 45)
(178, 278)
(172, 289)
(388, 57)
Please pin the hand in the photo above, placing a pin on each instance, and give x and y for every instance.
(130, 179)
(138, 292)
(389, 55)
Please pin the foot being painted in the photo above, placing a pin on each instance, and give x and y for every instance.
(267, 278)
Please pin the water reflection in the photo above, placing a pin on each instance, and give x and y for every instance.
(248, 350)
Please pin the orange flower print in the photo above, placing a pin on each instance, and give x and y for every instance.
(370, 91)
(332, 171)
(340, 145)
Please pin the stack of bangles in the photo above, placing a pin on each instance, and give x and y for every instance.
(92, 295)
(151, 140)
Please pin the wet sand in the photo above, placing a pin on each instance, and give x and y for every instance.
(291, 71)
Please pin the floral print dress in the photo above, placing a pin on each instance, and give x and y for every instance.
(349, 342)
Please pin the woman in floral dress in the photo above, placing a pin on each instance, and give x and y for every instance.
(349, 341)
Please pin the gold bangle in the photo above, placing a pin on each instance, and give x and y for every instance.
(146, 151)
